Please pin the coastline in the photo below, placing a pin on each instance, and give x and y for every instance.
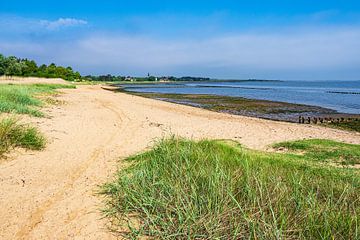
(89, 133)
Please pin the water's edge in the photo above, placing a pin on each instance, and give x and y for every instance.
(273, 110)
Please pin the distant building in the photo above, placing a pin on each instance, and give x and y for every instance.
(128, 78)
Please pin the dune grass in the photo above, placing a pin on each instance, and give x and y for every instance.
(212, 190)
(23, 99)
(325, 151)
(15, 134)
(353, 125)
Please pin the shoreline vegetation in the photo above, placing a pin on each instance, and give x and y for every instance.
(23, 99)
(273, 110)
(27, 99)
(14, 134)
(210, 189)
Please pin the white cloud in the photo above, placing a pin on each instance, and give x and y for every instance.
(12, 25)
(62, 23)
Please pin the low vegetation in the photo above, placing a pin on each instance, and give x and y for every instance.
(23, 99)
(325, 151)
(15, 134)
(214, 190)
(353, 125)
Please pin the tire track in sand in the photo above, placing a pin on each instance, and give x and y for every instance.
(37, 216)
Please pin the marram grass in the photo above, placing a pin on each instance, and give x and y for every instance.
(210, 190)
(22, 98)
(15, 134)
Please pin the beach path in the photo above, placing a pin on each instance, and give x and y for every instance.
(52, 194)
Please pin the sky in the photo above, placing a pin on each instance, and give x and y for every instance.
(274, 39)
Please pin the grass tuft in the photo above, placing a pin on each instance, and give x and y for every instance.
(14, 134)
(210, 190)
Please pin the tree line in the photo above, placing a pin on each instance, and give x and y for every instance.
(13, 66)
(112, 78)
(105, 78)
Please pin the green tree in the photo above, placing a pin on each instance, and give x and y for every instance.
(14, 68)
(2, 64)
(42, 71)
(30, 68)
(51, 70)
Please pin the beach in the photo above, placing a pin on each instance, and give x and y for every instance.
(53, 193)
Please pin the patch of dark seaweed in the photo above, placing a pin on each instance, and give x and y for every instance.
(131, 88)
(183, 102)
(231, 87)
(338, 92)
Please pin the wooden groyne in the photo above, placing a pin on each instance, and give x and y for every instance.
(321, 120)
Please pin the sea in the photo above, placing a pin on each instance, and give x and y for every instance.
(341, 96)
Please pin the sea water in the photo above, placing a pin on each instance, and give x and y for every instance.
(342, 96)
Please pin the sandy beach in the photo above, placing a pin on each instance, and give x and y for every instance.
(51, 194)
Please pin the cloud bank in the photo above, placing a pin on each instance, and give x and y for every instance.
(301, 53)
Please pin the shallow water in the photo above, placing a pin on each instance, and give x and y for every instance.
(342, 96)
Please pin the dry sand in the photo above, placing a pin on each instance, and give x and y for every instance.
(52, 194)
(31, 80)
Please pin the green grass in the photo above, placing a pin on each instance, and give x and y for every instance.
(15, 134)
(353, 125)
(23, 99)
(212, 190)
(324, 151)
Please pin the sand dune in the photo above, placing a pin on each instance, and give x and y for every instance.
(52, 194)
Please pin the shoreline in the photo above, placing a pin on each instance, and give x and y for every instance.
(263, 109)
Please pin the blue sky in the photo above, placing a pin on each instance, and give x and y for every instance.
(221, 39)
